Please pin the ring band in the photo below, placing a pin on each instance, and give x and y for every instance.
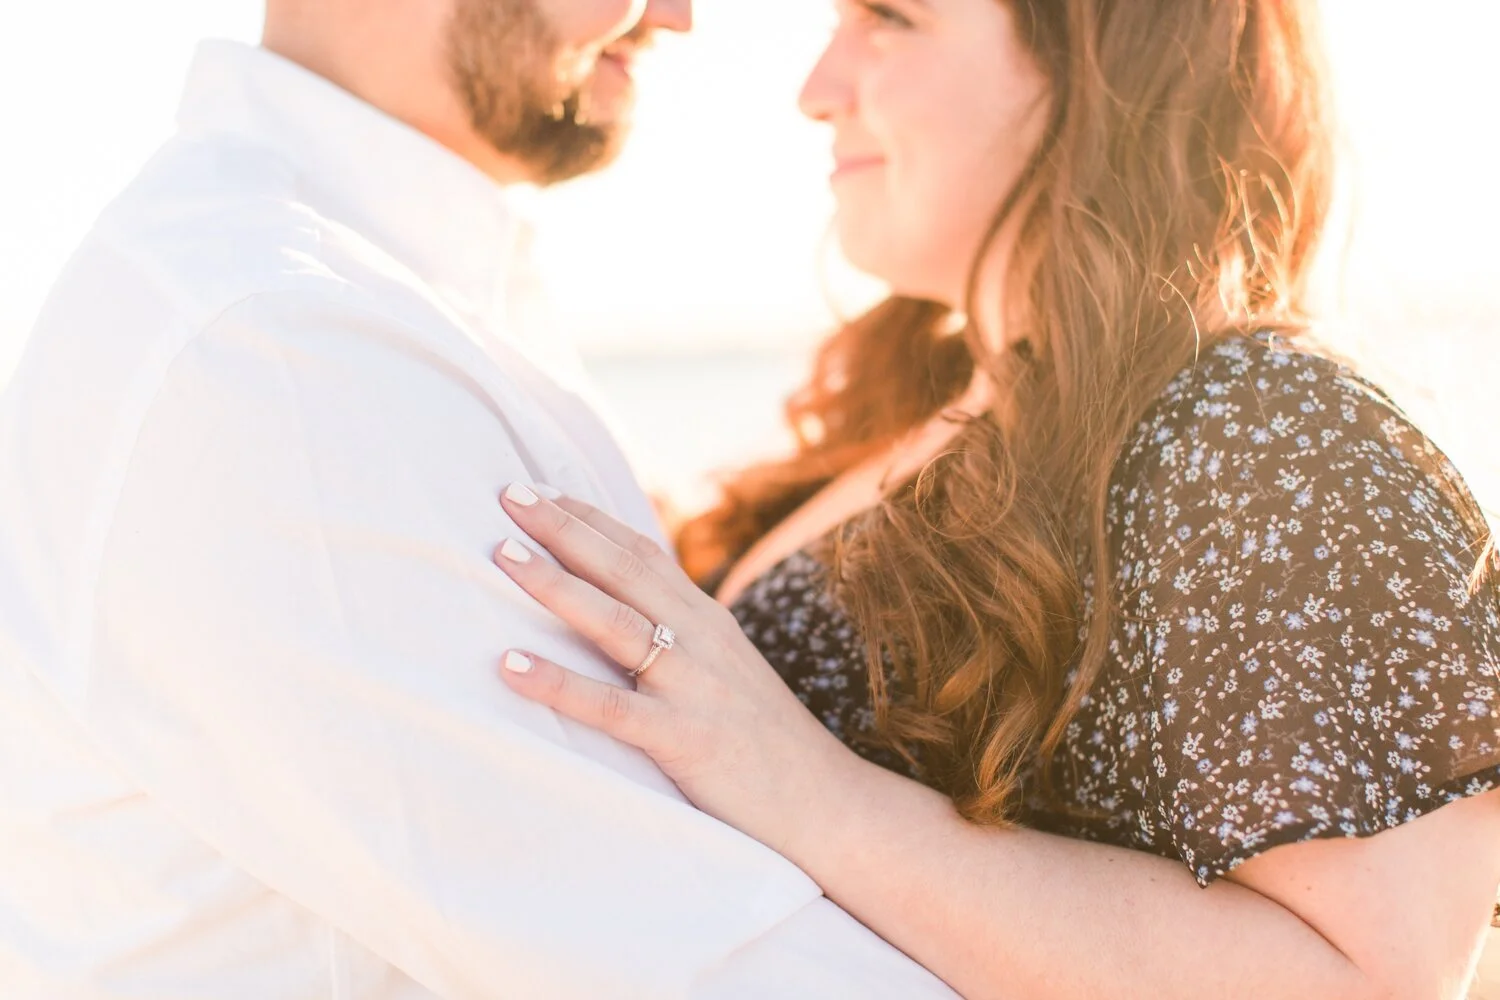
(661, 640)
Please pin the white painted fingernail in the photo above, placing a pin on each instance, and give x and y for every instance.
(517, 663)
(516, 493)
(515, 551)
(549, 492)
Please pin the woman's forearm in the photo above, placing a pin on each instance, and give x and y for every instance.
(1017, 913)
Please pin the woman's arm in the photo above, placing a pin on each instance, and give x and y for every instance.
(996, 913)
(1017, 913)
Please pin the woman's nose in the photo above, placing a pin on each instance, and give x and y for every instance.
(828, 92)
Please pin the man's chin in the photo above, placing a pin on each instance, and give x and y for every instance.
(574, 151)
(610, 92)
(555, 140)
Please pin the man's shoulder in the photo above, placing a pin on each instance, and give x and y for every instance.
(212, 233)
(212, 221)
(210, 227)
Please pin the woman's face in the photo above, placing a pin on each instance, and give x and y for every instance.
(935, 106)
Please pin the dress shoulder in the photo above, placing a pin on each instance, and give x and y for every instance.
(1298, 559)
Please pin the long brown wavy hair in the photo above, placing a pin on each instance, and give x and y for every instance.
(1176, 198)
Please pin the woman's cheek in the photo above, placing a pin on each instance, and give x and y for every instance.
(892, 105)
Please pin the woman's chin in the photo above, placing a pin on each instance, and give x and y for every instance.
(883, 260)
(867, 256)
(895, 279)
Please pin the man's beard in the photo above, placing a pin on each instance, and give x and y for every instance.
(505, 62)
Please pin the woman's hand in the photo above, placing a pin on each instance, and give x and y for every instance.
(710, 711)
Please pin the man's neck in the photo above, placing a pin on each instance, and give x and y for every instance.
(435, 111)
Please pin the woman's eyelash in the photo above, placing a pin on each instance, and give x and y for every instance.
(884, 14)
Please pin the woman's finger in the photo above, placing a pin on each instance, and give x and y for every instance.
(624, 714)
(615, 570)
(627, 538)
(622, 632)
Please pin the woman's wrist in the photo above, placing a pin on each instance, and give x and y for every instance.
(845, 807)
(813, 785)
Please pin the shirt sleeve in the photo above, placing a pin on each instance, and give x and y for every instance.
(293, 648)
(1319, 664)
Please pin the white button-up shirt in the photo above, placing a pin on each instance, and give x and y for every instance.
(252, 745)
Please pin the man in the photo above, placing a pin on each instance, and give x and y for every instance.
(251, 740)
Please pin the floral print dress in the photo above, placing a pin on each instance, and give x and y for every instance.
(1299, 653)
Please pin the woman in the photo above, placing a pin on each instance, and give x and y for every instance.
(1147, 655)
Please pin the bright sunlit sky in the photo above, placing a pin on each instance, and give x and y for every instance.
(706, 236)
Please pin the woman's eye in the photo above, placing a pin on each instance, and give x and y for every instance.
(883, 15)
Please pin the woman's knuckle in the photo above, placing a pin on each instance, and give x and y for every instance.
(615, 706)
(721, 620)
(626, 621)
(555, 685)
(645, 549)
(628, 566)
(564, 525)
(545, 577)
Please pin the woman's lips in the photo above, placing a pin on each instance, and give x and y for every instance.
(855, 164)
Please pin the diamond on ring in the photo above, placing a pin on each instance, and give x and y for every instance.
(661, 639)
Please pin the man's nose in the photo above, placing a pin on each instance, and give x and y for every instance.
(669, 15)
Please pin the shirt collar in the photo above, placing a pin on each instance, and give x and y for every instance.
(426, 206)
